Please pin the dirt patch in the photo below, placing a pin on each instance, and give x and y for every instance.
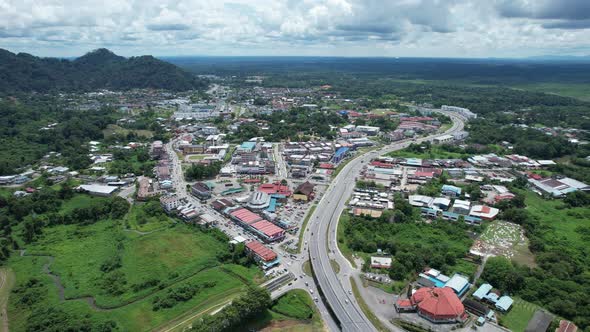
(506, 239)
(287, 325)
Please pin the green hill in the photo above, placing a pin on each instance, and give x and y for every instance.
(99, 69)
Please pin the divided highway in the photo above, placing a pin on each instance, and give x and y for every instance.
(325, 219)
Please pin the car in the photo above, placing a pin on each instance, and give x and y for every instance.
(295, 279)
(290, 284)
(346, 300)
(306, 283)
(311, 291)
(316, 299)
(350, 292)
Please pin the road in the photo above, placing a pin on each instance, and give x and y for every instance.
(322, 236)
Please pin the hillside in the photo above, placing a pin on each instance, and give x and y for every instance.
(96, 70)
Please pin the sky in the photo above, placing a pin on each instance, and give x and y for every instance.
(384, 28)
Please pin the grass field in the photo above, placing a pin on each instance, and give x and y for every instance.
(520, 314)
(579, 91)
(508, 240)
(139, 268)
(564, 221)
(293, 312)
(139, 220)
(435, 152)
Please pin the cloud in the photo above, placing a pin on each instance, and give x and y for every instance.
(295, 27)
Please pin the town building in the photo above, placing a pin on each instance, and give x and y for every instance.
(98, 189)
(262, 255)
(484, 212)
(170, 203)
(201, 191)
(259, 201)
(465, 112)
(451, 191)
(304, 192)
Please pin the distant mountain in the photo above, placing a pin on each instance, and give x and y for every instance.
(98, 69)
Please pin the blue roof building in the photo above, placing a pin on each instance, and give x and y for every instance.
(413, 162)
(247, 147)
(482, 291)
(451, 190)
(504, 303)
(458, 283)
(340, 154)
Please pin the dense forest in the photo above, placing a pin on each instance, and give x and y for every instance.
(23, 141)
(99, 69)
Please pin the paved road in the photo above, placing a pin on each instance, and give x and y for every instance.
(322, 238)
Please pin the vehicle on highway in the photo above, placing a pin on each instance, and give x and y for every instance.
(311, 291)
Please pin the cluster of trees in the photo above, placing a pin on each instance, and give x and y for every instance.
(179, 294)
(136, 162)
(412, 245)
(99, 69)
(23, 142)
(54, 319)
(290, 124)
(201, 172)
(560, 280)
(254, 302)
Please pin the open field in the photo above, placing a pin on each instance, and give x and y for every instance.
(520, 314)
(102, 273)
(579, 91)
(435, 152)
(294, 312)
(140, 220)
(566, 222)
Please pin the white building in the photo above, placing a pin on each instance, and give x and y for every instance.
(465, 112)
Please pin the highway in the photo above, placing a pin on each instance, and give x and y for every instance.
(322, 235)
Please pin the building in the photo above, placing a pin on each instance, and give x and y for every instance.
(458, 283)
(484, 212)
(170, 203)
(460, 135)
(340, 154)
(305, 190)
(201, 191)
(380, 262)
(444, 139)
(465, 112)
(193, 149)
(98, 189)
(477, 308)
(451, 191)
(222, 204)
(275, 188)
(263, 255)
(558, 187)
(566, 326)
(144, 189)
(246, 147)
(369, 130)
(420, 200)
(461, 207)
(259, 201)
(437, 305)
(482, 291)
(267, 231)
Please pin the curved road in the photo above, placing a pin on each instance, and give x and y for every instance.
(324, 223)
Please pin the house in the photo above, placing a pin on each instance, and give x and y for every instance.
(442, 203)
(201, 191)
(566, 326)
(482, 291)
(458, 283)
(380, 262)
(420, 200)
(484, 212)
(451, 191)
(170, 203)
(461, 207)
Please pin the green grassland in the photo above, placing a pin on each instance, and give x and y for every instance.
(101, 272)
(579, 91)
(435, 152)
(520, 314)
(565, 222)
(140, 220)
(294, 312)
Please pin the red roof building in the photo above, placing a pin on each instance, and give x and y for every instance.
(326, 166)
(267, 230)
(261, 253)
(245, 216)
(275, 188)
(566, 326)
(381, 164)
(438, 305)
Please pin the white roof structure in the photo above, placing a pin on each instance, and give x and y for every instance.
(98, 189)
(457, 283)
(441, 201)
(420, 200)
(484, 212)
(383, 262)
(461, 204)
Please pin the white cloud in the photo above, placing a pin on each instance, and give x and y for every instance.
(294, 27)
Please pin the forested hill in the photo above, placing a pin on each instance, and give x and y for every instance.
(99, 69)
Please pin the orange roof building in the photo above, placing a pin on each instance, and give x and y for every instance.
(438, 305)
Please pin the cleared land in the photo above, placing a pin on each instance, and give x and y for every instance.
(520, 314)
(505, 239)
(114, 129)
